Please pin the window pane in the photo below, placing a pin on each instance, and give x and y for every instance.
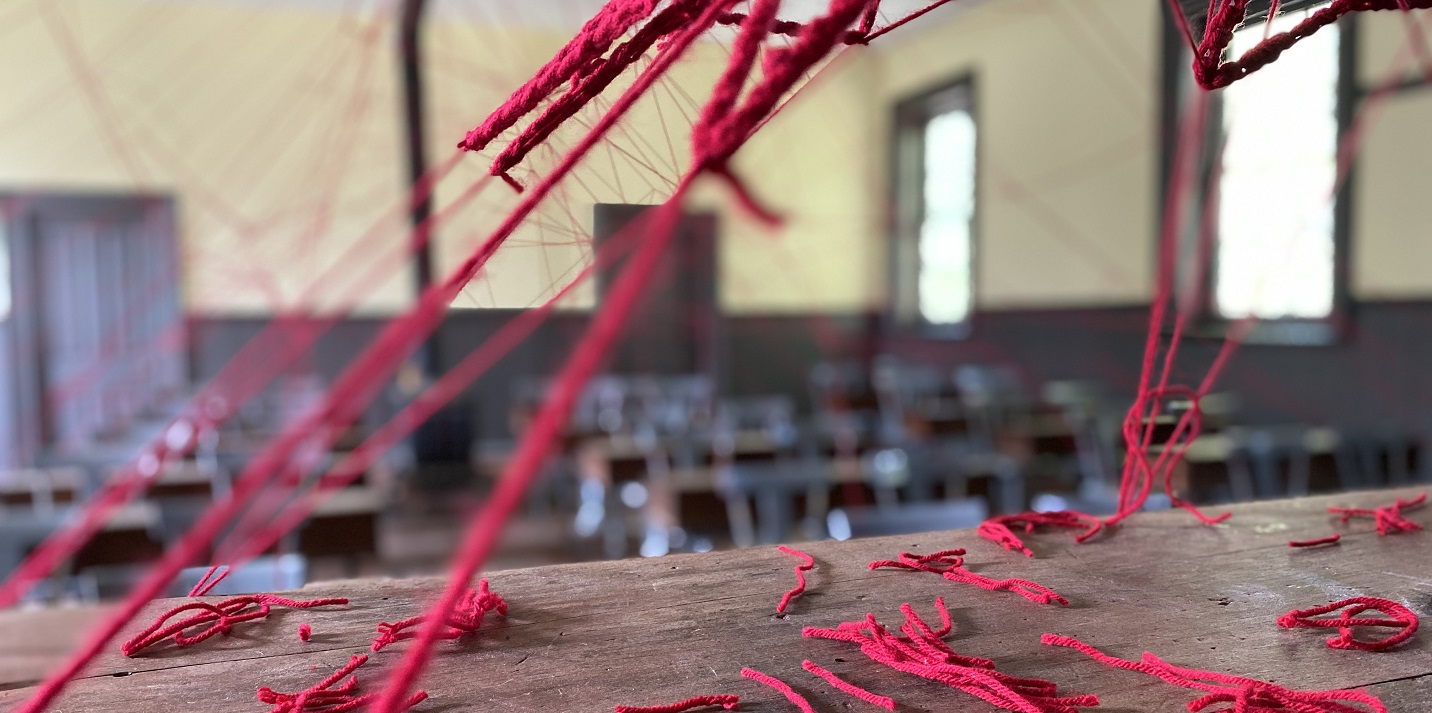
(1275, 224)
(949, 198)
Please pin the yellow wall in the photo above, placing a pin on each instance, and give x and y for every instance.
(256, 115)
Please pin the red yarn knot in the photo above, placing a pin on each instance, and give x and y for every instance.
(1400, 617)
(305, 632)
(465, 619)
(725, 701)
(800, 569)
(999, 530)
(1388, 518)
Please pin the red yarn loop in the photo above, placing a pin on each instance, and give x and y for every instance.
(1247, 695)
(1399, 617)
(221, 616)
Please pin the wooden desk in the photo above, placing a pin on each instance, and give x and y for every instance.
(587, 637)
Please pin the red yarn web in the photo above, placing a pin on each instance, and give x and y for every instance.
(630, 39)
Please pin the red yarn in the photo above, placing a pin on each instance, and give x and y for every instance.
(305, 632)
(1400, 615)
(465, 619)
(323, 698)
(779, 685)
(223, 615)
(1389, 518)
(204, 585)
(1329, 540)
(883, 701)
(997, 529)
(950, 565)
(1224, 17)
(800, 570)
(725, 701)
(920, 651)
(1248, 695)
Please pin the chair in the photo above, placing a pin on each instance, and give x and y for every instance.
(773, 486)
(857, 522)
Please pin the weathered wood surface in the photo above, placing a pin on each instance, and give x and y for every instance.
(590, 636)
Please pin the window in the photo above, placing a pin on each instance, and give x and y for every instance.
(1279, 224)
(1276, 251)
(934, 212)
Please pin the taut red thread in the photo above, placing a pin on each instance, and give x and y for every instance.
(950, 565)
(920, 651)
(800, 570)
(322, 697)
(223, 615)
(841, 685)
(998, 529)
(1401, 617)
(1389, 518)
(465, 619)
(1248, 695)
(305, 632)
(1329, 540)
(725, 701)
(779, 685)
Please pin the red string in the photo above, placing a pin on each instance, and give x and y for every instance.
(779, 685)
(725, 701)
(222, 615)
(800, 569)
(1329, 540)
(1213, 72)
(464, 620)
(305, 632)
(883, 701)
(1247, 695)
(950, 565)
(322, 697)
(1389, 518)
(920, 651)
(1400, 615)
(997, 529)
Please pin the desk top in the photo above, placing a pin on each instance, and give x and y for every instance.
(587, 637)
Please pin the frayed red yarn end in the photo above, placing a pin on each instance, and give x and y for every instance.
(305, 632)
(1332, 539)
(1400, 616)
(781, 686)
(726, 701)
(800, 569)
(844, 686)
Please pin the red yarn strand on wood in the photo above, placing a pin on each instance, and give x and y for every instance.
(725, 701)
(1248, 695)
(999, 529)
(1332, 539)
(465, 619)
(784, 688)
(1388, 518)
(920, 651)
(846, 687)
(1400, 617)
(950, 565)
(800, 570)
(322, 697)
(222, 615)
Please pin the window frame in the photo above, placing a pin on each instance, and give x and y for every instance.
(1178, 86)
(906, 210)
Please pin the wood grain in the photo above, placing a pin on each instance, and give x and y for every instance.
(590, 636)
